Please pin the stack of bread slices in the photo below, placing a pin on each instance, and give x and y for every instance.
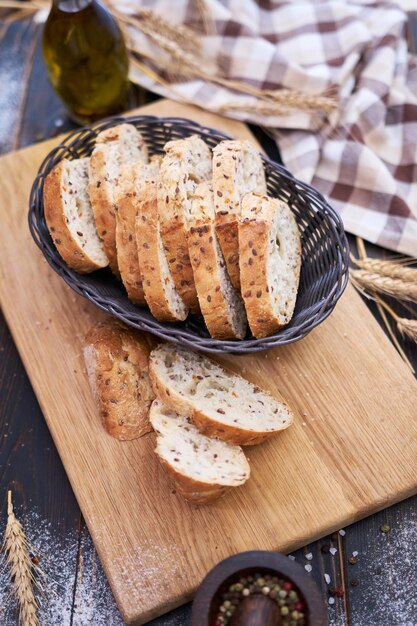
(189, 231)
(201, 413)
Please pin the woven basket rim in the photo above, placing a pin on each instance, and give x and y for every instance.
(177, 332)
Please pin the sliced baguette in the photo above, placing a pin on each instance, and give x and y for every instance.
(117, 363)
(203, 468)
(128, 191)
(237, 170)
(114, 147)
(160, 292)
(220, 303)
(220, 403)
(69, 216)
(270, 261)
(187, 162)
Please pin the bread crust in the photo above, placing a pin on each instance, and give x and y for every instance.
(100, 190)
(117, 363)
(101, 187)
(174, 235)
(146, 230)
(208, 263)
(227, 233)
(69, 249)
(228, 158)
(193, 491)
(254, 235)
(207, 426)
(172, 199)
(127, 252)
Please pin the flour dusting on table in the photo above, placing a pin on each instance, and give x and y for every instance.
(87, 603)
(383, 599)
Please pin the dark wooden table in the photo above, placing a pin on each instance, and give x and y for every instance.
(375, 587)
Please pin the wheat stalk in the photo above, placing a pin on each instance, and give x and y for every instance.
(393, 269)
(151, 23)
(23, 571)
(204, 11)
(23, 8)
(393, 287)
(185, 59)
(408, 328)
(404, 325)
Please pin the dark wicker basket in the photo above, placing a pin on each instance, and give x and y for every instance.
(324, 271)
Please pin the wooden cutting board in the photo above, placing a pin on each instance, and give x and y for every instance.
(351, 451)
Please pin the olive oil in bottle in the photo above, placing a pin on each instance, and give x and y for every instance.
(86, 58)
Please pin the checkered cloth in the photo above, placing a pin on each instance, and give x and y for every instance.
(365, 160)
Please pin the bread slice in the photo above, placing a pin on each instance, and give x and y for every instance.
(220, 403)
(220, 303)
(69, 216)
(160, 292)
(270, 261)
(117, 363)
(128, 191)
(237, 170)
(203, 468)
(187, 162)
(114, 147)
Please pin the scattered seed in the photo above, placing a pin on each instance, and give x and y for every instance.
(308, 567)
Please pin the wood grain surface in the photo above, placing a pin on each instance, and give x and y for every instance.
(345, 382)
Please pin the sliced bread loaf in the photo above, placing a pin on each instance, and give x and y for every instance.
(128, 191)
(203, 468)
(187, 162)
(117, 363)
(237, 170)
(270, 261)
(114, 147)
(160, 292)
(220, 403)
(70, 218)
(220, 303)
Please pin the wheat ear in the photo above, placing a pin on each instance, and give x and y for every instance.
(393, 268)
(382, 307)
(22, 569)
(393, 287)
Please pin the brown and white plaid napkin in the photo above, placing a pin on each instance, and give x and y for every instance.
(366, 163)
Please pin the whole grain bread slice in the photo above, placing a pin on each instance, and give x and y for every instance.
(69, 216)
(186, 163)
(220, 303)
(159, 289)
(220, 403)
(237, 170)
(203, 468)
(128, 191)
(270, 262)
(117, 363)
(114, 147)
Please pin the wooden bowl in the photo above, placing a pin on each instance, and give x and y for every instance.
(208, 598)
